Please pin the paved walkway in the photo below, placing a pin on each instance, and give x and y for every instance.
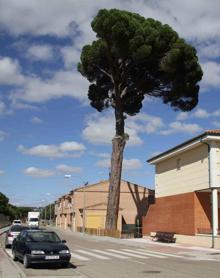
(8, 269)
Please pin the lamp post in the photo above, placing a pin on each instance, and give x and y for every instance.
(84, 198)
(50, 205)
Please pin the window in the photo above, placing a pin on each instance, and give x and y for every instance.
(178, 164)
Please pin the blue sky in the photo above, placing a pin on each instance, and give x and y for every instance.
(47, 127)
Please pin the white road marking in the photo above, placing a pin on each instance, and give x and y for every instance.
(159, 253)
(78, 257)
(144, 253)
(131, 260)
(92, 254)
(110, 254)
(128, 254)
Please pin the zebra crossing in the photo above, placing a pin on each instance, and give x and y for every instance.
(124, 253)
(109, 254)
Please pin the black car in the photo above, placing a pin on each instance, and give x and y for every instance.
(40, 246)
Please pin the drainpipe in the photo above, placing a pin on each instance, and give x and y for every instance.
(212, 214)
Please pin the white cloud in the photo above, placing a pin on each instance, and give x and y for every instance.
(101, 130)
(211, 75)
(104, 163)
(145, 123)
(128, 164)
(131, 164)
(201, 113)
(3, 135)
(4, 110)
(182, 116)
(40, 52)
(179, 127)
(65, 149)
(42, 18)
(62, 84)
(68, 169)
(216, 113)
(71, 56)
(36, 120)
(37, 172)
(2, 172)
(210, 51)
(216, 124)
(73, 19)
(103, 155)
(10, 73)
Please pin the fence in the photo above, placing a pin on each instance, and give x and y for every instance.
(100, 232)
(130, 231)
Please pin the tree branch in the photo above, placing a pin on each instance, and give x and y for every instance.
(106, 73)
(124, 91)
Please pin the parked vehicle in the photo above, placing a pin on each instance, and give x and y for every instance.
(16, 222)
(12, 233)
(33, 218)
(40, 246)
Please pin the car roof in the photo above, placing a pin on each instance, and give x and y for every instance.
(40, 230)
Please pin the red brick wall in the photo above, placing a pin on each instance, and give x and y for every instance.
(186, 214)
(203, 212)
(171, 214)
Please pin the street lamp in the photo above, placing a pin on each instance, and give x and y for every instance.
(84, 197)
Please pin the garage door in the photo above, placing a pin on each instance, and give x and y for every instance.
(95, 220)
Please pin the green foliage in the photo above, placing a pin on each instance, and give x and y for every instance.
(12, 211)
(133, 57)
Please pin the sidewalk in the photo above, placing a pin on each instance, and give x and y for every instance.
(8, 269)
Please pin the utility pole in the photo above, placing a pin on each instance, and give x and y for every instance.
(45, 214)
(84, 206)
(50, 213)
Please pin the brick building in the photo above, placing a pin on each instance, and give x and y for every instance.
(187, 185)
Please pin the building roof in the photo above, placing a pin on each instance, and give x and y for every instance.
(104, 181)
(98, 183)
(199, 138)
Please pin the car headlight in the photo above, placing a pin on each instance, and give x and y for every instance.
(37, 252)
(64, 252)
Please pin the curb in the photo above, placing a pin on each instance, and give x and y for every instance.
(20, 271)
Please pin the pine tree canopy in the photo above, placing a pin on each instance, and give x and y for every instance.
(133, 57)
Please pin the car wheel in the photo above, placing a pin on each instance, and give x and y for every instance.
(6, 245)
(26, 262)
(14, 255)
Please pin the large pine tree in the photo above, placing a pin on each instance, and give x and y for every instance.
(134, 57)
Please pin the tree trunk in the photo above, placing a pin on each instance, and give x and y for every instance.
(118, 144)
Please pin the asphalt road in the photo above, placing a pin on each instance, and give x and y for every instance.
(97, 258)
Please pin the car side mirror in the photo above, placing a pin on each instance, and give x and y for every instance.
(63, 241)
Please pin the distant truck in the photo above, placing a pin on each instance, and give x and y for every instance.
(33, 218)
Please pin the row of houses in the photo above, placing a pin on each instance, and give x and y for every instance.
(187, 198)
(85, 208)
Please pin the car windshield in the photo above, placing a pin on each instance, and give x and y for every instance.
(18, 228)
(33, 219)
(17, 221)
(43, 236)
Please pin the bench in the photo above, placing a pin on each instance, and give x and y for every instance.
(164, 237)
